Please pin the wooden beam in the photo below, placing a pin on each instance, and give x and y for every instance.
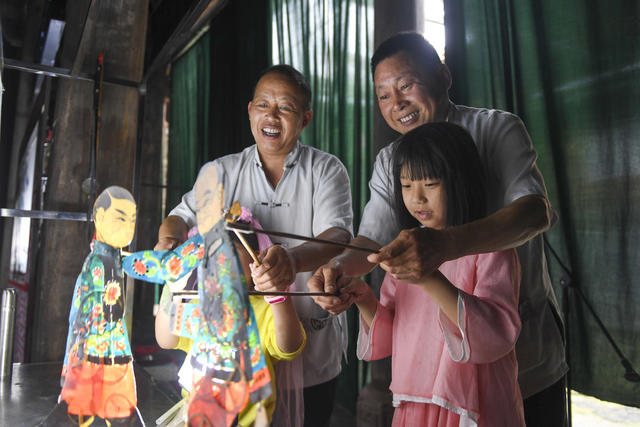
(119, 30)
(196, 18)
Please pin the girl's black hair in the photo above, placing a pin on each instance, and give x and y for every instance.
(250, 238)
(446, 152)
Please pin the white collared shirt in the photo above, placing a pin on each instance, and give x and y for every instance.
(312, 196)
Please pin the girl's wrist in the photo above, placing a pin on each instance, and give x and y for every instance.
(276, 299)
(368, 301)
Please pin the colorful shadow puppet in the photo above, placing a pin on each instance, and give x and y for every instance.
(226, 301)
(97, 375)
(222, 353)
(174, 268)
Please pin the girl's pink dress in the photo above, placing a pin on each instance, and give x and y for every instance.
(448, 374)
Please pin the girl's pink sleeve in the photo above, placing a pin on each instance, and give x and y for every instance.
(488, 321)
(375, 342)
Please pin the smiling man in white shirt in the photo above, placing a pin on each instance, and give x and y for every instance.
(295, 188)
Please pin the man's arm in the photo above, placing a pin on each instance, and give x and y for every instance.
(419, 251)
(507, 228)
(311, 255)
(332, 219)
(279, 266)
(172, 232)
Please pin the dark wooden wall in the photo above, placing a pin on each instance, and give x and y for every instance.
(118, 29)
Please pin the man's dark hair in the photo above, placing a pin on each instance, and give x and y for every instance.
(295, 77)
(446, 152)
(420, 50)
(421, 53)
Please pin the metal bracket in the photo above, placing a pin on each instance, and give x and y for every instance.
(20, 213)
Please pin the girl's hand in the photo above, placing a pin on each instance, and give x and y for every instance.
(328, 278)
(276, 272)
(355, 289)
(360, 293)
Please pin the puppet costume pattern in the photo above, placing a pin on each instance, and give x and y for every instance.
(168, 265)
(265, 352)
(271, 356)
(462, 374)
(97, 374)
(173, 265)
(226, 358)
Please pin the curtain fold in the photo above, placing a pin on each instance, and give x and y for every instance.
(189, 118)
(330, 42)
(571, 71)
(238, 54)
(212, 83)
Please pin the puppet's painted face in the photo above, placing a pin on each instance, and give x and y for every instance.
(209, 195)
(116, 225)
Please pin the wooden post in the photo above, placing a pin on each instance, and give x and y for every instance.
(119, 30)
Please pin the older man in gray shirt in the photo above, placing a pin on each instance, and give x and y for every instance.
(411, 87)
(295, 188)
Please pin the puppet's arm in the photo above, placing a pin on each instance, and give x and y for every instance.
(162, 266)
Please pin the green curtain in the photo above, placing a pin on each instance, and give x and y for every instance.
(238, 54)
(189, 119)
(212, 84)
(330, 42)
(570, 70)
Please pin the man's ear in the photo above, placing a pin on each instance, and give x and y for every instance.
(249, 107)
(306, 118)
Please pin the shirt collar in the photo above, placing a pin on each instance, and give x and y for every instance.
(289, 161)
(292, 157)
(451, 112)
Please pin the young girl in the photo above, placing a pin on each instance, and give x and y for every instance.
(451, 334)
(282, 339)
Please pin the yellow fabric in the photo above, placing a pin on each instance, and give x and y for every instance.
(267, 332)
(184, 344)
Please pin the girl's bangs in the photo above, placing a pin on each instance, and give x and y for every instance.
(416, 163)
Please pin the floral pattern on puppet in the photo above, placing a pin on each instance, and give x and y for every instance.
(163, 266)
